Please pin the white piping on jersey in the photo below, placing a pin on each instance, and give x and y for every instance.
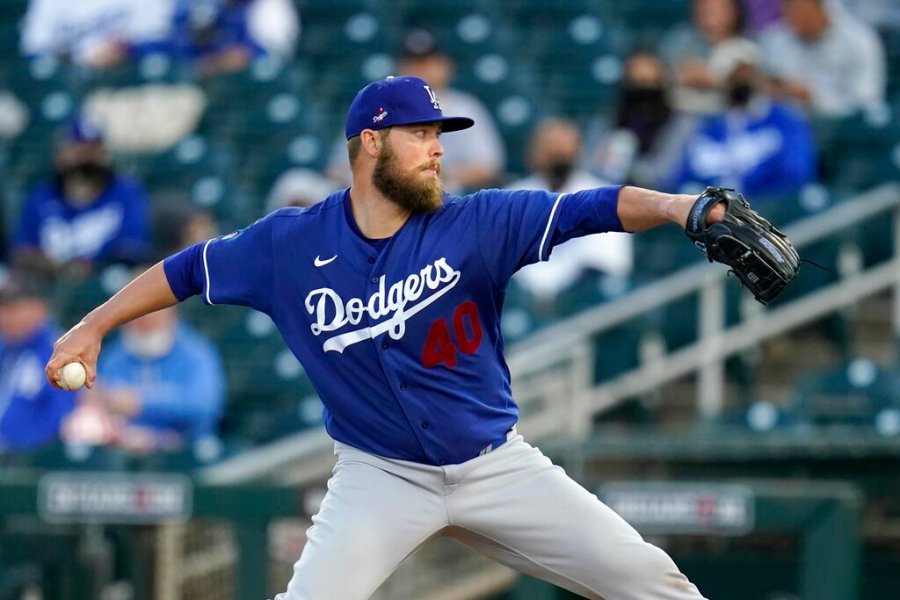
(206, 271)
(547, 229)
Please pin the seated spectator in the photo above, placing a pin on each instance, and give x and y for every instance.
(472, 158)
(763, 147)
(825, 59)
(299, 187)
(31, 410)
(692, 52)
(553, 156)
(224, 36)
(99, 34)
(644, 140)
(162, 383)
(87, 215)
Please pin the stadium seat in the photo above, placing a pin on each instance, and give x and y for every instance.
(550, 14)
(202, 171)
(647, 20)
(854, 393)
(662, 251)
(266, 384)
(464, 30)
(617, 350)
(342, 29)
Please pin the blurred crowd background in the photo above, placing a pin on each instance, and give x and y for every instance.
(130, 129)
(133, 129)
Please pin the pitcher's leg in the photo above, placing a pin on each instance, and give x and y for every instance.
(528, 514)
(369, 521)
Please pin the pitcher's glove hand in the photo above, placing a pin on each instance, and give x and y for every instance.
(757, 252)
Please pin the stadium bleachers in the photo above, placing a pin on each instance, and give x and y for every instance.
(523, 59)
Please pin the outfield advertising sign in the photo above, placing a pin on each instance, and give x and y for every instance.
(682, 508)
(114, 498)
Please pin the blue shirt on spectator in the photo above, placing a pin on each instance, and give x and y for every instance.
(181, 391)
(115, 227)
(211, 26)
(766, 150)
(31, 410)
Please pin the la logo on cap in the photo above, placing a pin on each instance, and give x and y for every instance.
(434, 100)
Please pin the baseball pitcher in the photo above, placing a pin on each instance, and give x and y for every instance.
(390, 294)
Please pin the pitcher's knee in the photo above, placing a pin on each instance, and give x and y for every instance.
(660, 577)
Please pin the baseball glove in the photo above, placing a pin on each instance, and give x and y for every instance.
(758, 253)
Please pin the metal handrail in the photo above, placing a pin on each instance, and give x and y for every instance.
(557, 352)
(536, 348)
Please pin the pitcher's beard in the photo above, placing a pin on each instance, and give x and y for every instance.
(406, 191)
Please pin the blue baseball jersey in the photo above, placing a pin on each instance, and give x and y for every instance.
(115, 227)
(400, 337)
(31, 410)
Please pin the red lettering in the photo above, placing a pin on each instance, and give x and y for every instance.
(467, 313)
(438, 347)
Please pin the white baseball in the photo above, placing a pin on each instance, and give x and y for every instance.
(72, 376)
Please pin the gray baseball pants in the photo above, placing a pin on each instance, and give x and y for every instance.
(512, 505)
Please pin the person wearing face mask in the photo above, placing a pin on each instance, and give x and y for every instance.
(762, 146)
(86, 215)
(554, 156)
(163, 384)
(644, 136)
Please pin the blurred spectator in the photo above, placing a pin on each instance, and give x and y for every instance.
(763, 147)
(226, 35)
(826, 59)
(644, 141)
(31, 410)
(553, 156)
(692, 52)
(299, 187)
(472, 158)
(97, 34)
(87, 215)
(162, 383)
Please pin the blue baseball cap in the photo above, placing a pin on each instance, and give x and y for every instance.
(398, 101)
